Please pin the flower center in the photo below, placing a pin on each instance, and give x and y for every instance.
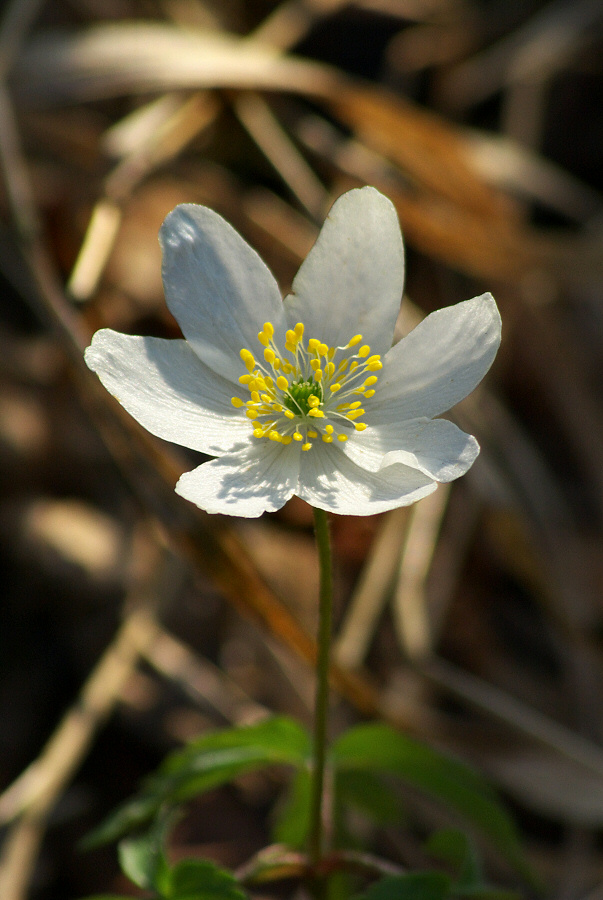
(298, 395)
(309, 391)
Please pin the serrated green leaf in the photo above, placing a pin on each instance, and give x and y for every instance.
(380, 748)
(292, 822)
(415, 886)
(194, 879)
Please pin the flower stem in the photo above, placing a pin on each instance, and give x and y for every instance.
(321, 708)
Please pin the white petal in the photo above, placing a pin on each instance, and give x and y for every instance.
(351, 281)
(438, 363)
(261, 479)
(217, 287)
(331, 481)
(435, 447)
(166, 387)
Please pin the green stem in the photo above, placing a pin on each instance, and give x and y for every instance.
(321, 531)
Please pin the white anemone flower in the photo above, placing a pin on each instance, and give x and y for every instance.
(303, 396)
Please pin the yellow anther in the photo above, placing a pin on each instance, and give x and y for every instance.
(369, 394)
(277, 363)
(251, 414)
(277, 407)
(287, 368)
(248, 359)
(291, 336)
(307, 446)
(269, 355)
(315, 363)
(236, 401)
(360, 426)
(364, 351)
(374, 366)
(269, 329)
(323, 349)
(332, 352)
(258, 432)
(335, 387)
(245, 379)
(263, 338)
(318, 374)
(355, 404)
(355, 414)
(329, 429)
(268, 382)
(275, 436)
(286, 439)
(290, 347)
(299, 330)
(313, 401)
(353, 365)
(297, 436)
(289, 414)
(327, 438)
(312, 434)
(355, 340)
(317, 413)
(342, 437)
(330, 369)
(282, 383)
(255, 397)
(313, 345)
(372, 379)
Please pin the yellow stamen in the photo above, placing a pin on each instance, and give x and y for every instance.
(236, 401)
(342, 437)
(282, 383)
(307, 446)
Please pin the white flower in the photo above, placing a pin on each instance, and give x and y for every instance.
(303, 396)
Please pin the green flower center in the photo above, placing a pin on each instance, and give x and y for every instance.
(302, 395)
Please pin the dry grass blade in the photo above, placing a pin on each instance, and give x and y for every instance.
(135, 58)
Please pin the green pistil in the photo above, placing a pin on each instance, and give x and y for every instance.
(296, 399)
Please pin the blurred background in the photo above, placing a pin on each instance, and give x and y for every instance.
(129, 621)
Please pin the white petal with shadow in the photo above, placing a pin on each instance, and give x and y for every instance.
(435, 447)
(351, 281)
(164, 386)
(441, 361)
(217, 287)
(333, 482)
(261, 479)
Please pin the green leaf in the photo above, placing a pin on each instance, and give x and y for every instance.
(206, 763)
(292, 822)
(368, 793)
(379, 747)
(456, 849)
(415, 886)
(219, 757)
(142, 859)
(194, 879)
